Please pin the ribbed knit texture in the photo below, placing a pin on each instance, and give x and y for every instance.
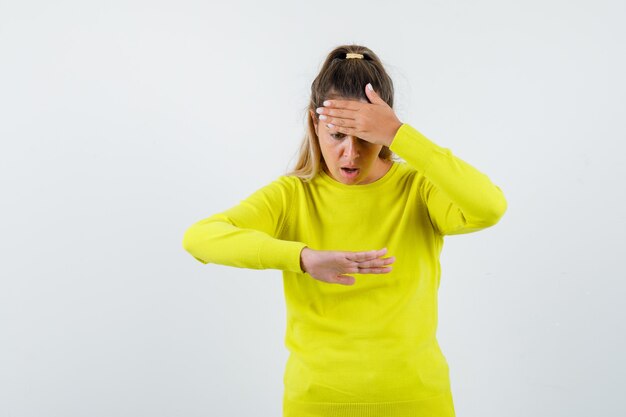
(369, 349)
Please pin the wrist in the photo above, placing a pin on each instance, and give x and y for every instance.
(394, 132)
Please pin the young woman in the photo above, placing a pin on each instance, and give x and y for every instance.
(368, 346)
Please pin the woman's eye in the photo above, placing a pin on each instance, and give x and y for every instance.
(336, 135)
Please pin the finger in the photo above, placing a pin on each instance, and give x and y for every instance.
(373, 96)
(341, 114)
(342, 129)
(377, 262)
(343, 104)
(336, 121)
(339, 122)
(375, 270)
(365, 256)
(354, 269)
(389, 260)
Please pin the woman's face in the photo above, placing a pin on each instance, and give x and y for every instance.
(342, 151)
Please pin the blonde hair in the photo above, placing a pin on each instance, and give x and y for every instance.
(341, 77)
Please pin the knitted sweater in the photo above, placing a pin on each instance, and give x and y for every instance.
(368, 349)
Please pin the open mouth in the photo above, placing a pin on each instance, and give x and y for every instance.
(350, 170)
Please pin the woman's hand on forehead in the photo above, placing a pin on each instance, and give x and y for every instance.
(374, 122)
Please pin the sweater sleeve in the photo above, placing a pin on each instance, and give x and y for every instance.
(246, 235)
(460, 198)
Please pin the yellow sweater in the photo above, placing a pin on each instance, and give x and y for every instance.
(369, 349)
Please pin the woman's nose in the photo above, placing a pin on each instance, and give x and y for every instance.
(351, 149)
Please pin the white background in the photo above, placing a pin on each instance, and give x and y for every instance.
(122, 123)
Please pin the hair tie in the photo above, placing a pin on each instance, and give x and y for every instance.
(352, 55)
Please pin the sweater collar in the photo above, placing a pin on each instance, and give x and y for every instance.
(359, 187)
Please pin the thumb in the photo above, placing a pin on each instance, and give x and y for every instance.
(372, 95)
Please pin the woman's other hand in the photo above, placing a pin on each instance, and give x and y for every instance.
(331, 266)
(374, 122)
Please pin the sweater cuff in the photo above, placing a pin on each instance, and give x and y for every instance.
(413, 147)
(281, 254)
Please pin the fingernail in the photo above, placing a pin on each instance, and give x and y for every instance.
(370, 87)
